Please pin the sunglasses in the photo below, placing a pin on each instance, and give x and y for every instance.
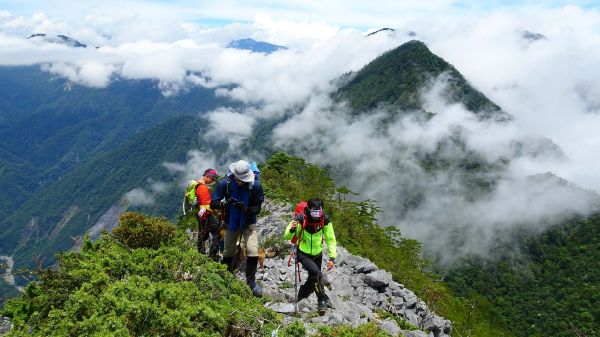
(316, 213)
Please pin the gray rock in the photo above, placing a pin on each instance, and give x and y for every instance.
(284, 308)
(5, 325)
(390, 326)
(365, 267)
(437, 325)
(397, 302)
(411, 317)
(414, 333)
(378, 279)
(411, 300)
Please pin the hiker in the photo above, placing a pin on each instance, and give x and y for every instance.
(208, 226)
(314, 228)
(241, 197)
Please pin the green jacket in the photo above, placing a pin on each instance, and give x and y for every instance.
(311, 242)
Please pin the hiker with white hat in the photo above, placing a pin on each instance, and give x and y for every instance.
(240, 196)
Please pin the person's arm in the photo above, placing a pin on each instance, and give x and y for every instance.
(331, 242)
(291, 230)
(257, 198)
(218, 195)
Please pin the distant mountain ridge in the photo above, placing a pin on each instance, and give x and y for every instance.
(255, 46)
(60, 39)
(46, 131)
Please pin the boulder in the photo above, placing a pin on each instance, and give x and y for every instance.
(284, 308)
(365, 267)
(390, 326)
(5, 325)
(414, 333)
(378, 279)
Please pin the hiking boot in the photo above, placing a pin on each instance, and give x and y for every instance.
(256, 289)
(322, 305)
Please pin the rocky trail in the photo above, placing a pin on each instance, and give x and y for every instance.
(359, 291)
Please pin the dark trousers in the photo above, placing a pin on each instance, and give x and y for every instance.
(208, 229)
(314, 282)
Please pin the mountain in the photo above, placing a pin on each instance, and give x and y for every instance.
(531, 36)
(255, 46)
(45, 130)
(549, 286)
(387, 30)
(396, 77)
(68, 207)
(59, 39)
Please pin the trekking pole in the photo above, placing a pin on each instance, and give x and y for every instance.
(296, 274)
(183, 206)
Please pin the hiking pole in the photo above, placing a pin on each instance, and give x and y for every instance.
(296, 274)
(183, 206)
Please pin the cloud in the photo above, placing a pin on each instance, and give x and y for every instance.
(139, 197)
(197, 162)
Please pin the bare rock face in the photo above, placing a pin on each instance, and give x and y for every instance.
(359, 291)
(5, 325)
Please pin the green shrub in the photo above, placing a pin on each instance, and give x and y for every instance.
(108, 289)
(138, 231)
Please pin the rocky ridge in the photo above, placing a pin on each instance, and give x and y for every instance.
(359, 291)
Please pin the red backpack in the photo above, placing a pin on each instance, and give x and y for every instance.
(300, 208)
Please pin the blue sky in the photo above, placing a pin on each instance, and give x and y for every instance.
(356, 13)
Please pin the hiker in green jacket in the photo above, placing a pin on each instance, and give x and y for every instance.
(312, 227)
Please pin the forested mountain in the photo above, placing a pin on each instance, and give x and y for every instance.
(71, 205)
(549, 287)
(49, 126)
(396, 78)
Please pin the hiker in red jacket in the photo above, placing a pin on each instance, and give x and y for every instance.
(207, 222)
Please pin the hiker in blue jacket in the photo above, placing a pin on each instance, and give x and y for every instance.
(240, 196)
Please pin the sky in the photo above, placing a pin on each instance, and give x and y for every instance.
(550, 86)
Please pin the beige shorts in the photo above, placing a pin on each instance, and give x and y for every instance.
(248, 238)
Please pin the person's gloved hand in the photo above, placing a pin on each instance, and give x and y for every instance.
(201, 211)
(330, 264)
(241, 205)
(227, 202)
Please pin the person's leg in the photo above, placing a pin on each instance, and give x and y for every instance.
(213, 229)
(200, 242)
(230, 242)
(251, 241)
(322, 299)
(313, 269)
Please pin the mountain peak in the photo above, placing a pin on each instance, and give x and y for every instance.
(59, 39)
(396, 77)
(255, 46)
(385, 29)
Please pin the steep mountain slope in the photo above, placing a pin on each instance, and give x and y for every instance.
(551, 287)
(71, 205)
(396, 77)
(46, 128)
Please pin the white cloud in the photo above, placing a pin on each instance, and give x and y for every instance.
(139, 197)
